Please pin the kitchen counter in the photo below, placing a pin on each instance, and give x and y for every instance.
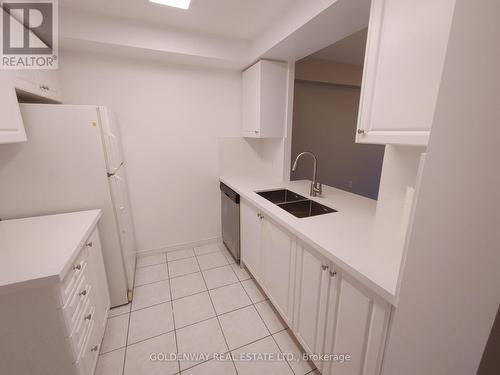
(355, 238)
(42, 248)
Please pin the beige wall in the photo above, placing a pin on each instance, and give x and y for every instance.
(324, 122)
(316, 70)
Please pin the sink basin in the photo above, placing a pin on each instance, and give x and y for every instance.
(306, 208)
(281, 196)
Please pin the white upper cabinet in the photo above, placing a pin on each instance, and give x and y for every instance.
(11, 122)
(405, 53)
(264, 98)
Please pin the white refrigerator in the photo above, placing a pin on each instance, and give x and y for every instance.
(73, 161)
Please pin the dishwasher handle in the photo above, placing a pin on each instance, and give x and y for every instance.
(230, 193)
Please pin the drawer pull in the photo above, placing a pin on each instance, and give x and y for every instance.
(88, 317)
(333, 273)
(90, 244)
(94, 348)
(324, 267)
(83, 292)
(77, 267)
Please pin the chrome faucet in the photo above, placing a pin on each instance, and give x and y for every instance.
(316, 187)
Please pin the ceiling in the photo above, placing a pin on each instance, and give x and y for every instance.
(234, 19)
(350, 50)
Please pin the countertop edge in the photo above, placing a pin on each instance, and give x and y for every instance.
(383, 293)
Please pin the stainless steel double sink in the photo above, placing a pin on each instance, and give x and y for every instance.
(294, 203)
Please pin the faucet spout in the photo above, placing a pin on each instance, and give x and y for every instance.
(316, 188)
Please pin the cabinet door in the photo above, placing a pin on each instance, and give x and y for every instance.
(311, 298)
(277, 267)
(273, 99)
(264, 100)
(250, 101)
(360, 329)
(250, 228)
(11, 122)
(402, 72)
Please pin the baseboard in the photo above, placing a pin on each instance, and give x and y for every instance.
(187, 245)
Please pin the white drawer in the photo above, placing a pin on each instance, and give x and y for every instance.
(87, 358)
(71, 279)
(73, 307)
(82, 324)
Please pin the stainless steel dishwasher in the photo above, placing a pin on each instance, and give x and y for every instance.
(230, 211)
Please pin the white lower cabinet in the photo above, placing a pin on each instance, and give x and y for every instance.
(357, 322)
(68, 316)
(277, 258)
(250, 240)
(310, 300)
(269, 254)
(329, 312)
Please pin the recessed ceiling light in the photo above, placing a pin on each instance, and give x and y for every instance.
(183, 4)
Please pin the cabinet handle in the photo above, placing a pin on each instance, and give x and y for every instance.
(361, 131)
(333, 273)
(89, 244)
(256, 131)
(324, 267)
(88, 317)
(77, 267)
(83, 292)
(94, 348)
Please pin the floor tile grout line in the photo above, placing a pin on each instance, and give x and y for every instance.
(218, 320)
(113, 350)
(272, 334)
(147, 307)
(149, 265)
(152, 282)
(126, 341)
(173, 318)
(191, 324)
(149, 338)
(206, 290)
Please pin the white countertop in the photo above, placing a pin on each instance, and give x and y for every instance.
(43, 247)
(367, 246)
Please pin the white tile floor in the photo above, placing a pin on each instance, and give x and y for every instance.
(196, 301)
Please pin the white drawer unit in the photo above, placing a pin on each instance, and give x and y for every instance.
(77, 301)
(69, 310)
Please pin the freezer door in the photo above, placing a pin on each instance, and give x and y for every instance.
(111, 138)
(121, 203)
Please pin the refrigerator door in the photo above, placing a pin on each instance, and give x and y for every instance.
(111, 137)
(62, 168)
(119, 195)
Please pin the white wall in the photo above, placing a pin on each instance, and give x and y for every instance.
(171, 118)
(324, 122)
(450, 287)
